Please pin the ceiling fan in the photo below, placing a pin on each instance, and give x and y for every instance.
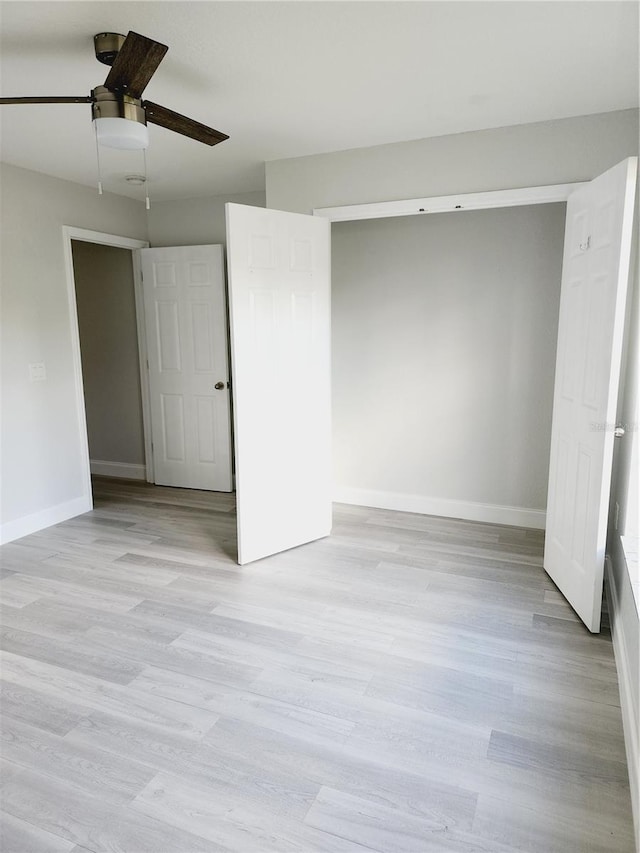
(120, 115)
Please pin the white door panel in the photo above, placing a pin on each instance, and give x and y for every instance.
(186, 322)
(592, 308)
(279, 297)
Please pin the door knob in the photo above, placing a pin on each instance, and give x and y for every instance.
(219, 386)
(619, 431)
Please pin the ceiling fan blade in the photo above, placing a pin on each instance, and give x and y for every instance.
(83, 99)
(181, 124)
(135, 65)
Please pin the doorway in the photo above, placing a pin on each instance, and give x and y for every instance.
(107, 326)
(444, 344)
(132, 337)
(73, 235)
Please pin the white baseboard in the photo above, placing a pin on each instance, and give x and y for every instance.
(513, 516)
(123, 470)
(45, 518)
(625, 681)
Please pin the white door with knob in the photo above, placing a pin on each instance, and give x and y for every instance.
(187, 347)
(595, 274)
(279, 299)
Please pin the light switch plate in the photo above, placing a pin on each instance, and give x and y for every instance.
(37, 371)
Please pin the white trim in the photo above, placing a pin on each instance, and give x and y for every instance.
(450, 203)
(513, 516)
(81, 416)
(70, 233)
(45, 518)
(122, 470)
(103, 239)
(143, 360)
(626, 679)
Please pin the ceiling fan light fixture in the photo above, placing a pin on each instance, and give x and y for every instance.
(120, 115)
(121, 133)
(119, 120)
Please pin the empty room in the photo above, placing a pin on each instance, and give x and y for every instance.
(319, 450)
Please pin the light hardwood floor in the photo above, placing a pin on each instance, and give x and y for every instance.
(408, 684)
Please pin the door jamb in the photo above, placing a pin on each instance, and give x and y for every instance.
(70, 233)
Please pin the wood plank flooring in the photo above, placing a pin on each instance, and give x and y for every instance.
(407, 684)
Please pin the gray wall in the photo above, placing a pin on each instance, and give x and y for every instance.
(105, 300)
(444, 339)
(41, 433)
(553, 152)
(195, 221)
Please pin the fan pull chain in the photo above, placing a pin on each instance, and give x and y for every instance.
(98, 159)
(147, 203)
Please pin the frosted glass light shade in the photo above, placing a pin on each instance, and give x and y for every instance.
(121, 133)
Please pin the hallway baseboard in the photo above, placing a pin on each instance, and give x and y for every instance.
(122, 470)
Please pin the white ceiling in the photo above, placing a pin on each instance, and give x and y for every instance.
(285, 79)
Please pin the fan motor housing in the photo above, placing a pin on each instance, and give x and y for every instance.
(108, 104)
(107, 46)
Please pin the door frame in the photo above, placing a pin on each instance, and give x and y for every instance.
(70, 233)
(490, 200)
(450, 203)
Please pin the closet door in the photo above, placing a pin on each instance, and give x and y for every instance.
(595, 274)
(279, 299)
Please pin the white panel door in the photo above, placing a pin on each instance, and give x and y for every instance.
(187, 343)
(279, 297)
(592, 308)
